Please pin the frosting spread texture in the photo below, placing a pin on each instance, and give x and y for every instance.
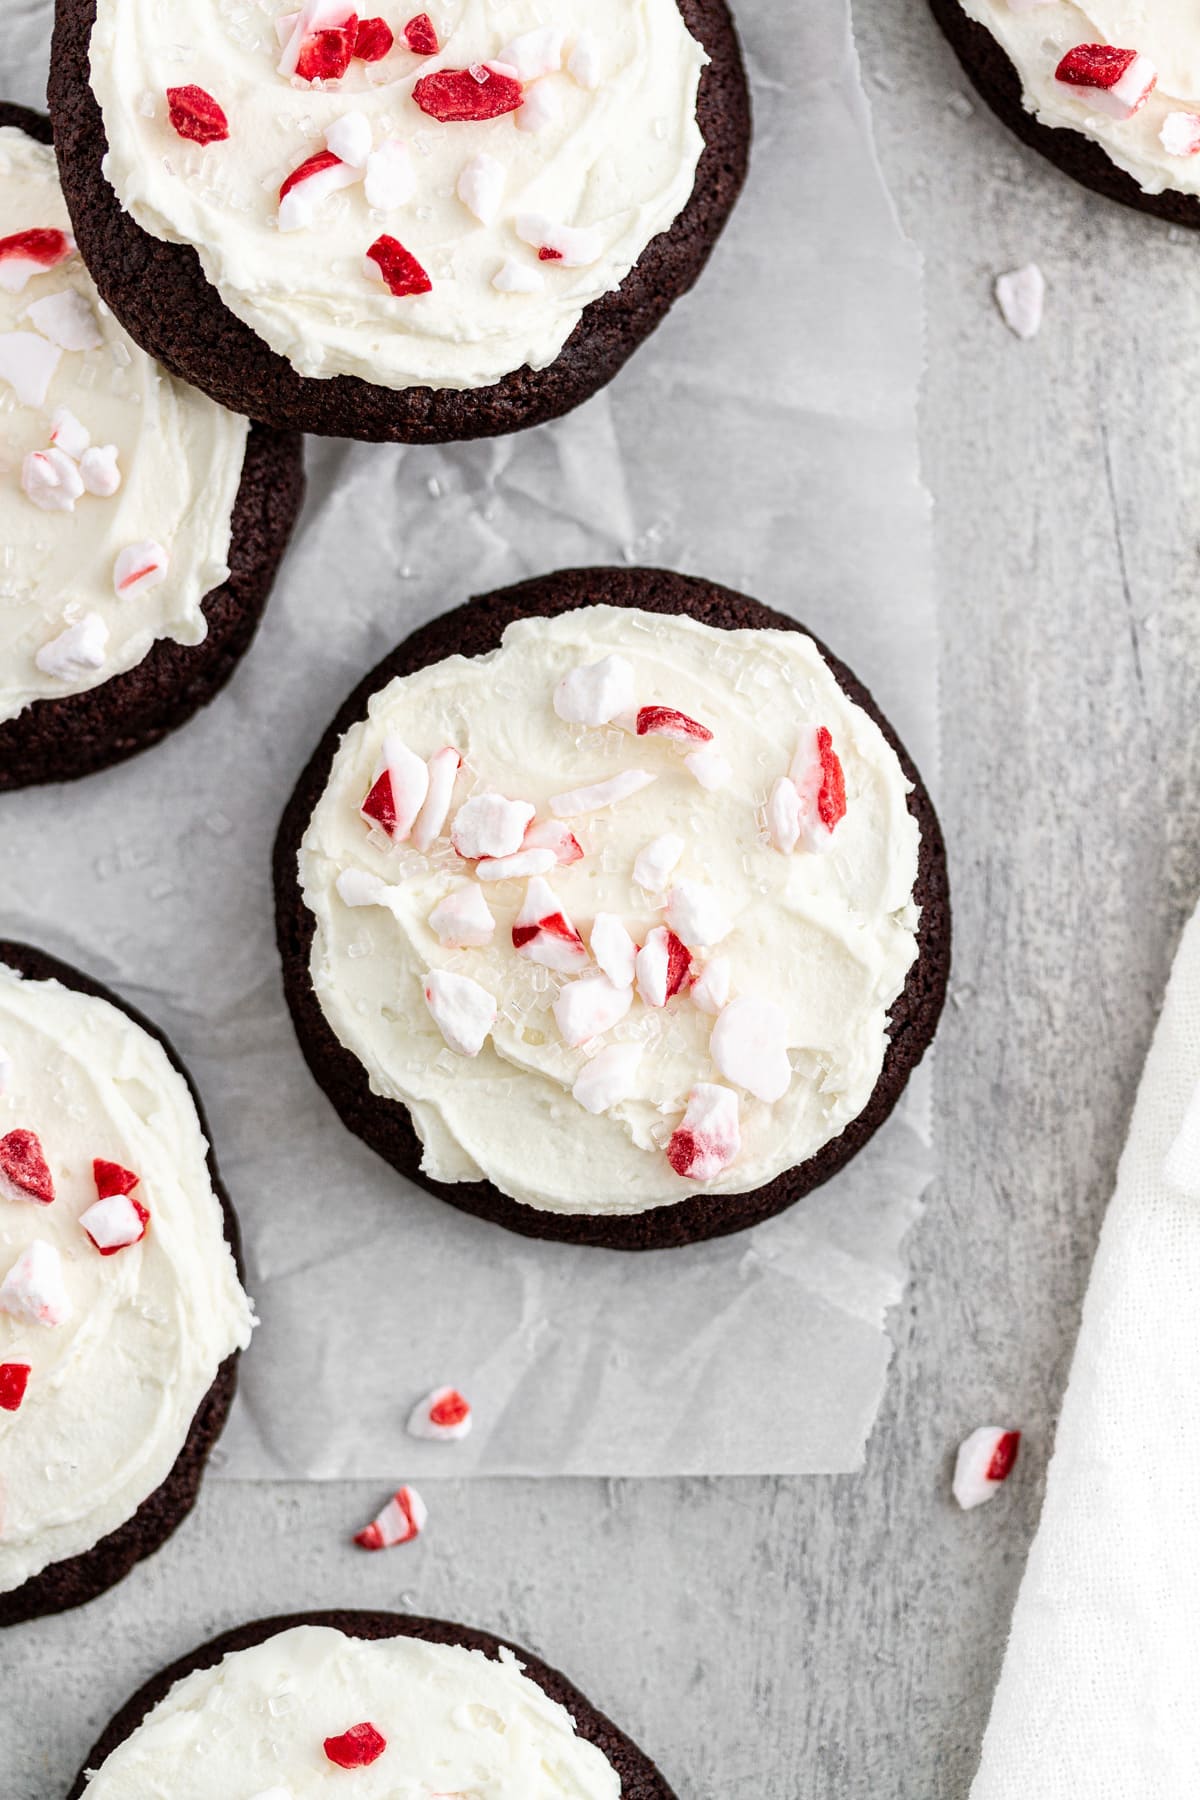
(113, 1386)
(513, 224)
(755, 1014)
(117, 483)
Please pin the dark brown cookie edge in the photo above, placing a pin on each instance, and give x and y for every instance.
(386, 1125)
(162, 297)
(78, 1579)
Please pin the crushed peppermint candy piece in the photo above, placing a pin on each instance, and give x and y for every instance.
(356, 887)
(541, 108)
(196, 116)
(373, 39)
(513, 277)
(534, 53)
(708, 1137)
(420, 36)
(710, 990)
(784, 815)
(653, 865)
(458, 95)
(350, 139)
(490, 825)
(669, 722)
(83, 646)
(463, 1011)
(115, 1223)
(27, 363)
(542, 932)
(99, 471)
(1180, 134)
(574, 246)
(481, 187)
(1021, 295)
(662, 966)
(51, 480)
(608, 1078)
(67, 433)
(28, 253)
(443, 767)
(1108, 79)
(589, 1007)
(67, 319)
(551, 834)
(319, 175)
(402, 1519)
(577, 801)
(517, 867)
(362, 1744)
(112, 1178)
(613, 949)
(707, 766)
(138, 568)
(817, 775)
(14, 1379)
(24, 1171)
(749, 1046)
(595, 693)
(583, 64)
(399, 790)
(444, 1415)
(463, 920)
(695, 912)
(985, 1460)
(321, 42)
(399, 268)
(390, 180)
(34, 1290)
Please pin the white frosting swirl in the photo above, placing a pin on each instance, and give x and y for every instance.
(180, 461)
(113, 1389)
(829, 938)
(1037, 38)
(457, 1725)
(615, 161)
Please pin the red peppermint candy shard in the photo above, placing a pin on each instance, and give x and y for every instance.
(373, 40)
(985, 1459)
(421, 37)
(196, 115)
(24, 1172)
(402, 1519)
(380, 805)
(14, 1379)
(28, 253)
(542, 932)
(708, 1138)
(546, 254)
(115, 1223)
(1113, 81)
(356, 1748)
(831, 800)
(453, 1409)
(1004, 1456)
(312, 165)
(665, 721)
(454, 95)
(111, 1178)
(399, 267)
(325, 56)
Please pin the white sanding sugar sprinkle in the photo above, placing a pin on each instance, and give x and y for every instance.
(1021, 295)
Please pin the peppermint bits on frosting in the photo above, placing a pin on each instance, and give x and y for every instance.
(117, 1219)
(463, 1011)
(196, 116)
(457, 96)
(708, 1137)
(1107, 79)
(398, 268)
(356, 1748)
(596, 693)
(14, 1379)
(138, 568)
(25, 254)
(542, 932)
(398, 792)
(35, 1290)
(24, 1171)
(421, 36)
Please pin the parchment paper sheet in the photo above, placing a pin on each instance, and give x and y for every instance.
(766, 437)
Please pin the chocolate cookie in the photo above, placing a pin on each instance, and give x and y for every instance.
(640, 1780)
(57, 740)
(160, 294)
(385, 1125)
(81, 1578)
(995, 79)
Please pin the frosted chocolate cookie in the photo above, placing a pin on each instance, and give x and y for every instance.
(1110, 94)
(381, 1703)
(142, 524)
(121, 1311)
(610, 909)
(427, 227)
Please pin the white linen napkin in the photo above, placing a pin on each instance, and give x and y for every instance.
(1099, 1696)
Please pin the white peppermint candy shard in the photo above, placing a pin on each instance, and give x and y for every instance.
(807, 775)
(584, 61)
(551, 834)
(402, 1519)
(1021, 295)
(481, 187)
(534, 53)
(513, 277)
(463, 1011)
(709, 767)
(984, 1462)
(1119, 98)
(710, 990)
(99, 470)
(51, 480)
(577, 801)
(542, 932)
(80, 648)
(574, 246)
(67, 320)
(609, 1078)
(399, 791)
(518, 867)
(16, 271)
(662, 967)
(67, 434)
(783, 815)
(443, 1416)
(350, 138)
(653, 865)
(587, 1008)
(490, 825)
(138, 568)
(443, 767)
(358, 888)
(1180, 134)
(463, 920)
(749, 1046)
(540, 107)
(298, 206)
(695, 914)
(34, 1290)
(594, 693)
(708, 1136)
(391, 180)
(613, 949)
(27, 363)
(114, 1223)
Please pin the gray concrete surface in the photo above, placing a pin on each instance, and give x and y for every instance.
(801, 1639)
